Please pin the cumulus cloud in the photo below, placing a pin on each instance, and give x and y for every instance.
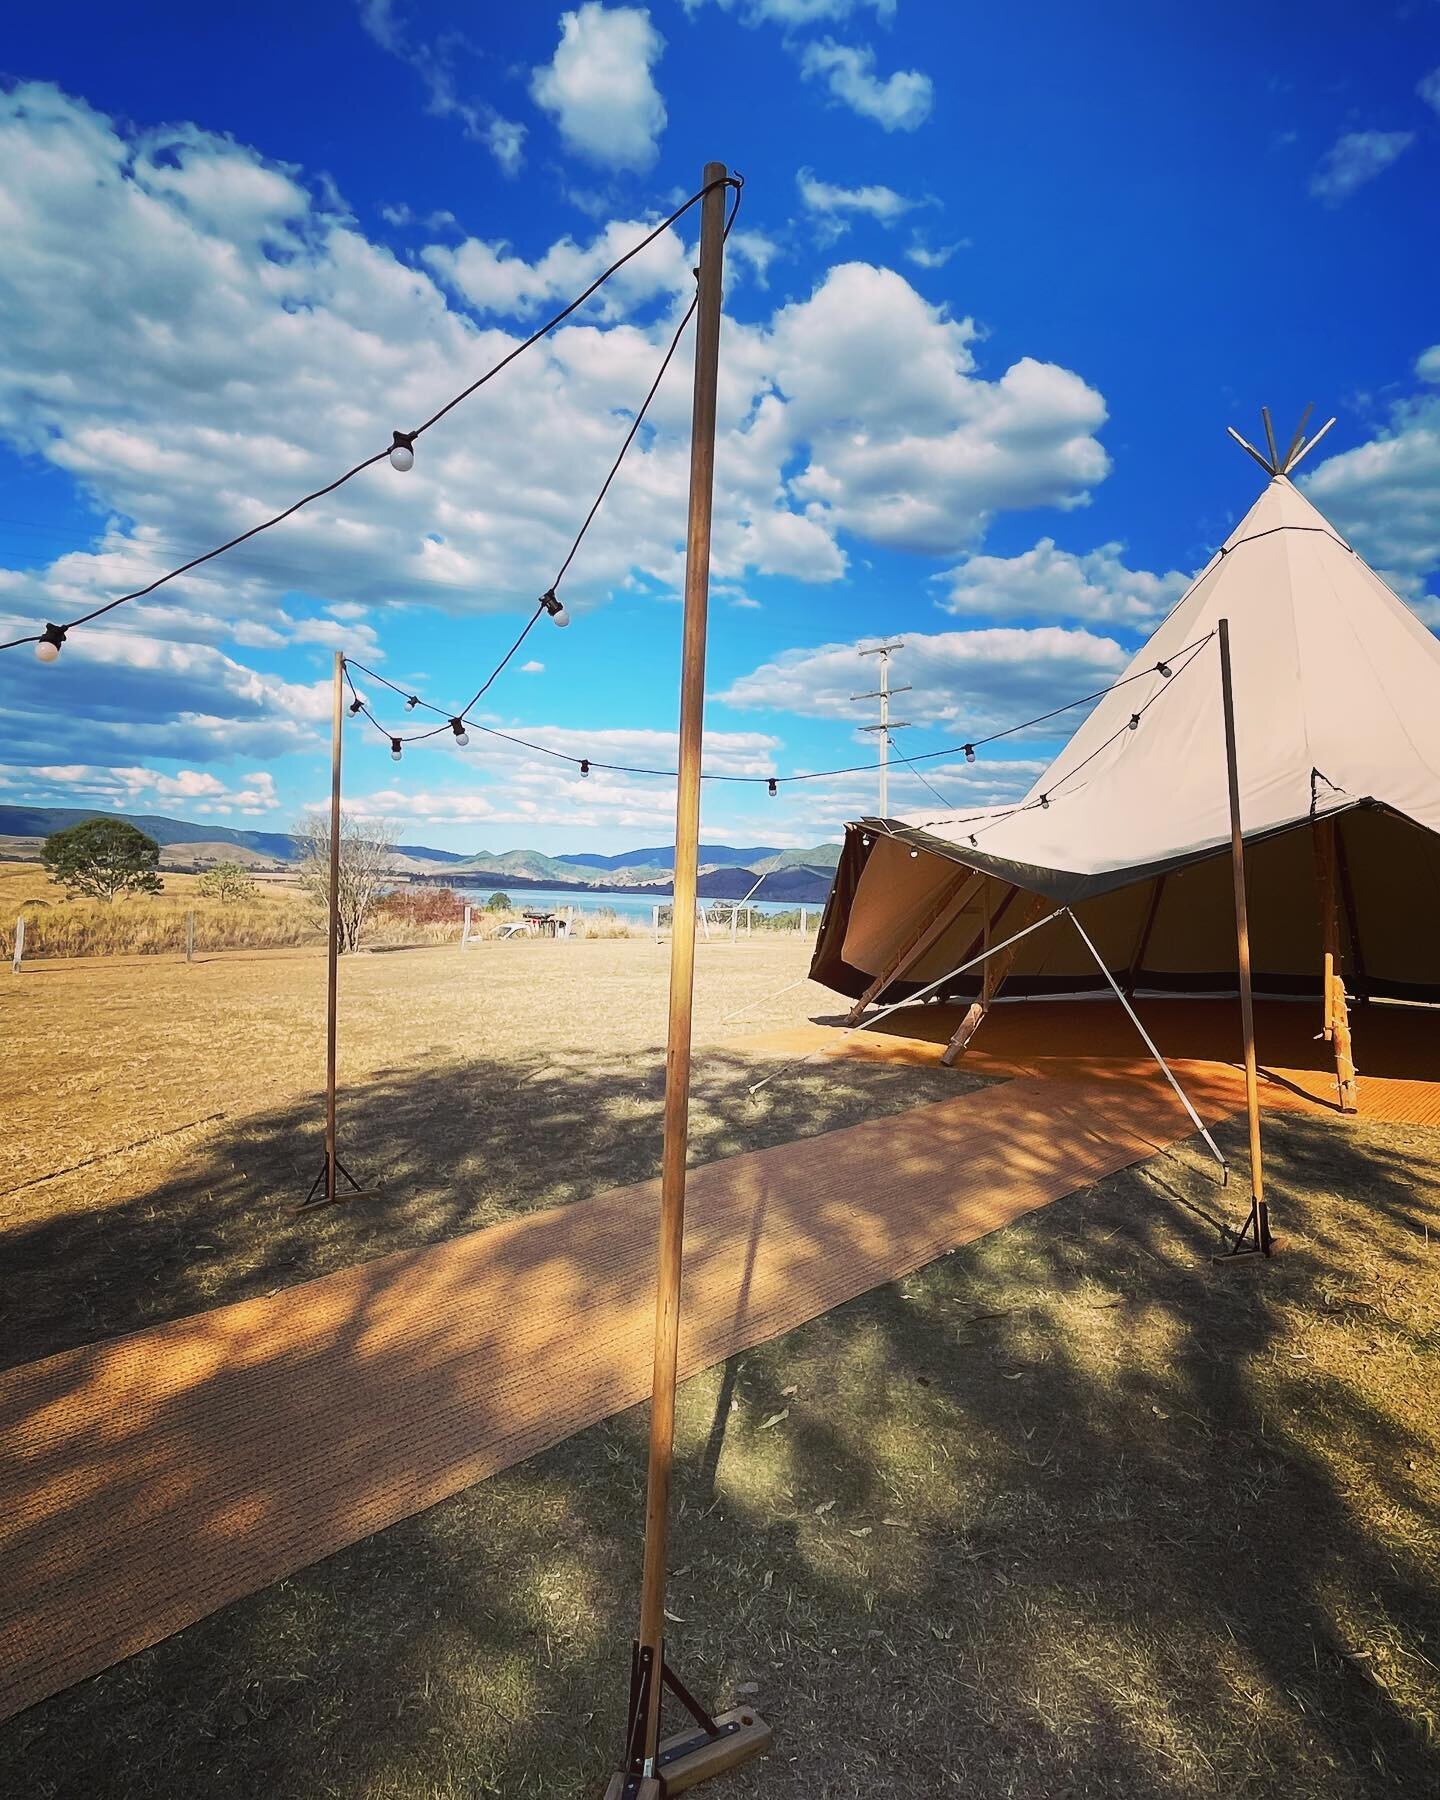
(874, 200)
(599, 87)
(1384, 495)
(1428, 88)
(1048, 583)
(909, 446)
(795, 12)
(901, 102)
(1353, 160)
(195, 791)
(435, 65)
(977, 680)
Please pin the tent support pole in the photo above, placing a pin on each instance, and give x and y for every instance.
(1142, 943)
(324, 1190)
(991, 979)
(1259, 1217)
(1150, 1044)
(652, 1768)
(1336, 1014)
(1352, 920)
(952, 900)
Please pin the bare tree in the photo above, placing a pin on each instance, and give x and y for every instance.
(367, 849)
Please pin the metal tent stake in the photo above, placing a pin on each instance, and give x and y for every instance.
(652, 1769)
(323, 1189)
(1253, 1237)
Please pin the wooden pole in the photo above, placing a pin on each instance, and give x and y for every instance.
(190, 936)
(465, 931)
(332, 978)
(1242, 939)
(19, 955)
(682, 942)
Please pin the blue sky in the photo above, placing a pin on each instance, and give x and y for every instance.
(1001, 278)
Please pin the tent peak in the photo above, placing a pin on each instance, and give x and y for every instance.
(1300, 446)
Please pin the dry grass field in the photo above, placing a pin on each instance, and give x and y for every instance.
(1070, 1513)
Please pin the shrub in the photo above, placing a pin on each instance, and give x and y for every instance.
(227, 882)
(499, 902)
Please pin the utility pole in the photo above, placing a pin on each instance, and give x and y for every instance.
(886, 725)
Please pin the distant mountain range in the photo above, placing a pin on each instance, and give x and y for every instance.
(728, 871)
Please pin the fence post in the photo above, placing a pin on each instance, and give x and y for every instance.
(465, 934)
(190, 936)
(19, 945)
(802, 921)
(655, 919)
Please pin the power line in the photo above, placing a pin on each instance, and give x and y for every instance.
(400, 451)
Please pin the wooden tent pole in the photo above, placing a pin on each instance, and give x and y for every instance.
(332, 974)
(1335, 1010)
(652, 1768)
(1259, 1212)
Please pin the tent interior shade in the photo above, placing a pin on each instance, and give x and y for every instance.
(1337, 690)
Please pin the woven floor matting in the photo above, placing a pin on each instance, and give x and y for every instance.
(147, 1480)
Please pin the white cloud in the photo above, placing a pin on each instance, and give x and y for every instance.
(901, 102)
(795, 12)
(229, 341)
(878, 202)
(599, 88)
(192, 791)
(1354, 159)
(435, 65)
(1046, 583)
(1427, 364)
(532, 668)
(932, 256)
(979, 680)
(1384, 495)
(909, 447)
(492, 278)
(1428, 88)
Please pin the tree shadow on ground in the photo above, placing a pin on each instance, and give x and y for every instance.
(453, 1147)
(1069, 1512)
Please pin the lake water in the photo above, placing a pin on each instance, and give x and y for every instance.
(628, 906)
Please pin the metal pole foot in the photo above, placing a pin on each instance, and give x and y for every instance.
(1252, 1239)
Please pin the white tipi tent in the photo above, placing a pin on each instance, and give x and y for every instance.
(1337, 695)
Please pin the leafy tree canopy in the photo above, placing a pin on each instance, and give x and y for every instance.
(499, 903)
(102, 858)
(227, 882)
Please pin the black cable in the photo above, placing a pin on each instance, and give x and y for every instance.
(919, 774)
(401, 437)
(591, 762)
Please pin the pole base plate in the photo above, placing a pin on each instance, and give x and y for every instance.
(691, 1756)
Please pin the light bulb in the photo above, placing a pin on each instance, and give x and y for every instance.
(1163, 668)
(1134, 722)
(969, 753)
(560, 616)
(412, 703)
(402, 451)
(914, 853)
(973, 844)
(355, 706)
(395, 749)
(584, 766)
(48, 646)
(462, 736)
(774, 790)
(1045, 802)
(555, 607)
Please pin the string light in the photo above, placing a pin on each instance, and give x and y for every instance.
(555, 607)
(395, 749)
(462, 737)
(412, 703)
(772, 782)
(355, 705)
(1163, 668)
(401, 450)
(969, 753)
(47, 645)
